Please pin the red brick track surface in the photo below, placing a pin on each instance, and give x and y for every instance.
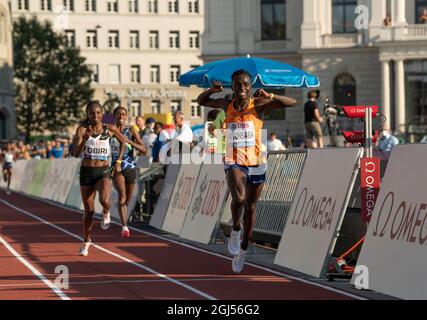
(142, 267)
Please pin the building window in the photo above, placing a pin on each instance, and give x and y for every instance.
(193, 6)
(92, 39)
(154, 39)
(176, 105)
(421, 11)
(196, 110)
(174, 39)
(70, 38)
(113, 39)
(69, 5)
(114, 70)
(133, 6)
(155, 74)
(345, 90)
(95, 72)
(343, 15)
(153, 6)
(135, 108)
(91, 5)
(46, 5)
(416, 99)
(134, 39)
(273, 19)
(23, 5)
(135, 74)
(175, 73)
(156, 107)
(113, 5)
(173, 6)
(194, 39)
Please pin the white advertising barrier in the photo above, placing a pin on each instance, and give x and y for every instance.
(209, 196)
(69, 170)
(162, 205)
(318, 209)
(181, 198)
(393, 259)
(18, 170)
(53, 179)
(27, 176)
(74, 198)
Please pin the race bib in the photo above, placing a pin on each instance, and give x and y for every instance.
(241, 134)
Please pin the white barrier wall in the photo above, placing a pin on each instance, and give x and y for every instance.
(317, 210)
(181, 198)
(393, 259)
(208, 199)
(165, 196)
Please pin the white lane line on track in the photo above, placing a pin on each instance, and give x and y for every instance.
(141, 266)
(278, 273)
(34, 270)
(83, 283)
(281, 274)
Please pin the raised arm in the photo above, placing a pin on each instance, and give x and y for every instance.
(205, 100)
(265, 100)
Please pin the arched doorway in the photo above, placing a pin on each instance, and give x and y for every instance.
(345, 90)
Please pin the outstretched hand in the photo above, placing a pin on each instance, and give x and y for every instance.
(262, 94)
(217, 86)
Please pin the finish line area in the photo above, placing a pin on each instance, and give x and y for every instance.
(37, 237)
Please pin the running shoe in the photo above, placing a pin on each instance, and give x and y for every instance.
(239, 262)
(84, 251)
(125, 232)
(106, 222)
(234, 242)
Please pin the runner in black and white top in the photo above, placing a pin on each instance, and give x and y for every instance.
(92, 141)
(7, 160)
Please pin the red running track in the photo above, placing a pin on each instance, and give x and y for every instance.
(145, 266)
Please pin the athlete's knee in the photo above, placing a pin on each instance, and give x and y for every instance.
(238, 198)
(122, 201)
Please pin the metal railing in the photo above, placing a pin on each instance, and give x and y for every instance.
(283, 173)
(340, 40)
(416, 32)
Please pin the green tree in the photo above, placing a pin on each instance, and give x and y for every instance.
(52, 81)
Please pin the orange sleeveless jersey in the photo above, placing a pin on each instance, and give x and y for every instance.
(244, 145)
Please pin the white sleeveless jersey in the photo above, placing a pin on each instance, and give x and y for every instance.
(98, 147)
(8, 157)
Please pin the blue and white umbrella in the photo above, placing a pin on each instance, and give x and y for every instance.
(265, 74)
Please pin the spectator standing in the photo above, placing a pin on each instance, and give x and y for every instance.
(313, 122)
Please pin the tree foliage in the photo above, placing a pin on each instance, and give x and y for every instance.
(52, 81)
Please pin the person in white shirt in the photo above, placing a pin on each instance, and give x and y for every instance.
(387, 141)
(275, 144)
(183, 132)
(149, 137)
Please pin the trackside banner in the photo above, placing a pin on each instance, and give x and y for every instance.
(181, 198)
(393, 259)
(208, 199)
(162, 205)
(318, 209)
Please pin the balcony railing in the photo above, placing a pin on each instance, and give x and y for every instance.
(416, 32)
(340, 40)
